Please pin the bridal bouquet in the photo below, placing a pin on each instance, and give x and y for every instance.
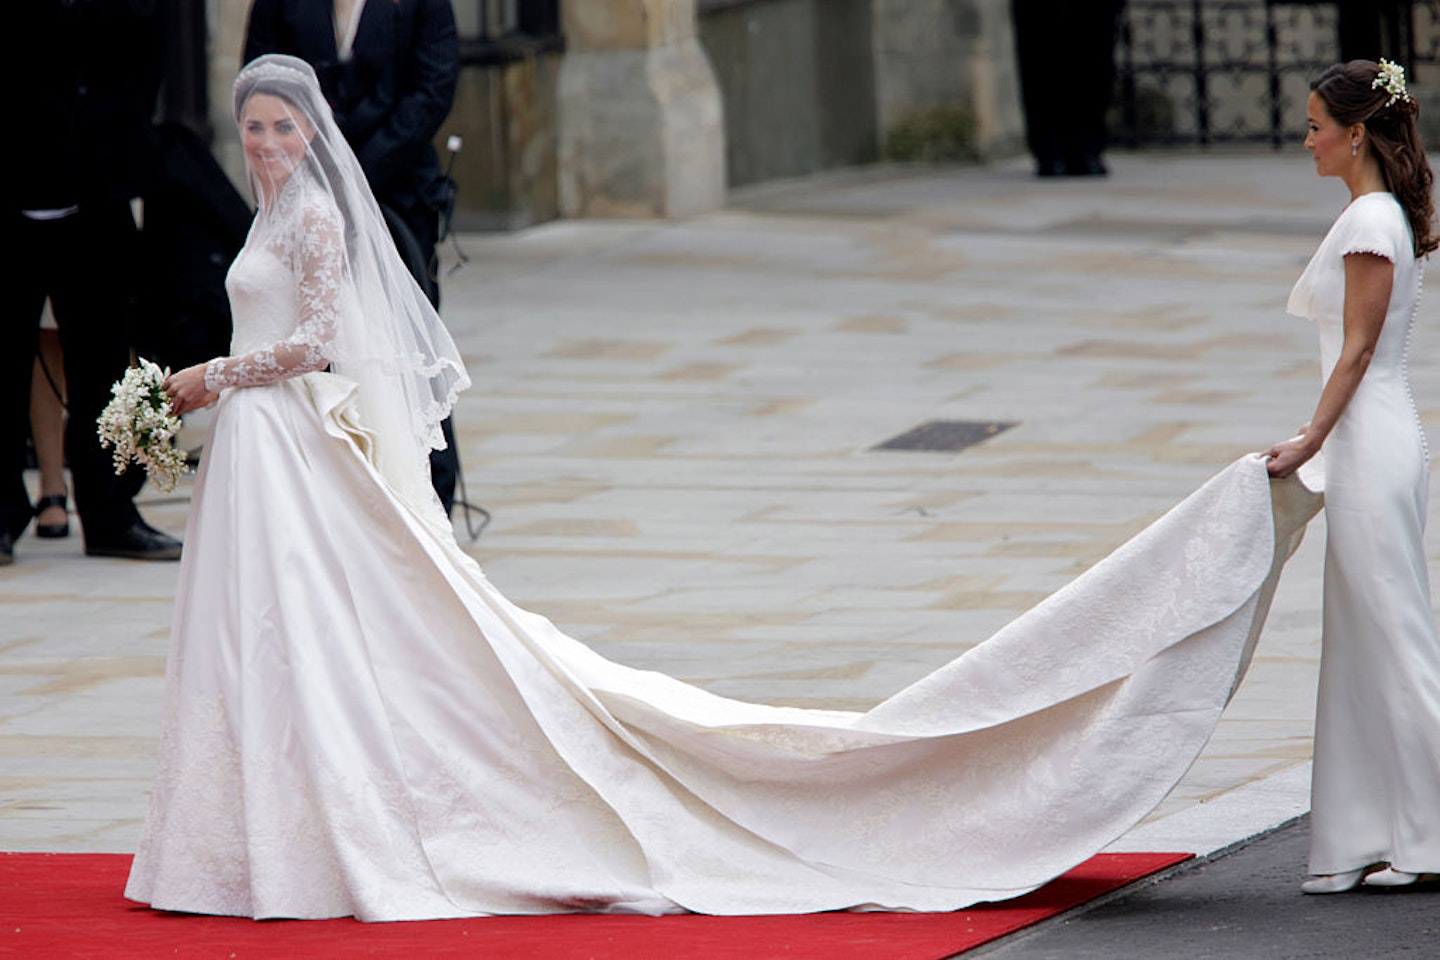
(139, 425)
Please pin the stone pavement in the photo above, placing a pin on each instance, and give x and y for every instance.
(1247, 906)
(675, 425)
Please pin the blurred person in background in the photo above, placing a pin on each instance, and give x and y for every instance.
(1066, 55)
(89, 77)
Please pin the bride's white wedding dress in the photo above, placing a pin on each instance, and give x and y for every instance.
(357, 722)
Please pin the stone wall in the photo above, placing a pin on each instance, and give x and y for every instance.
(798, 85)
(941, 62)
(814, 84)
(506, 171)
(639, 130)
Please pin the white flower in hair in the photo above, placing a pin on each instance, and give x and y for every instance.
(1391, 79)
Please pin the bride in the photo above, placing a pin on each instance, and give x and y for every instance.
(358, 723)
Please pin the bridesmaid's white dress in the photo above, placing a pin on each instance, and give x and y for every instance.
(1376, 789)
(358, 723)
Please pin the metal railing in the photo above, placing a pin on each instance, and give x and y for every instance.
(1219, 71)
(1235, 71)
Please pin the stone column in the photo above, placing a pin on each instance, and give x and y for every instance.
(640, 126)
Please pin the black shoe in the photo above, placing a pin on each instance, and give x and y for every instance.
(7, 547)
(139, 541)
(52, 531)
(1051, 168)
(1089, 165)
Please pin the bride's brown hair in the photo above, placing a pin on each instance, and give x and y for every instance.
(1351, 96)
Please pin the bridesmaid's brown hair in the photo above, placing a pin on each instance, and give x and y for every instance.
(1351, 96)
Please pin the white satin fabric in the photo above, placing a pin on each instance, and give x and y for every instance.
(1376, 788)
(357, 722)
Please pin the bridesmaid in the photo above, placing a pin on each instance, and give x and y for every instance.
(1375, 793)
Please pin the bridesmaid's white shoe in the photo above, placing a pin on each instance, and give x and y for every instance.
(1333, 882)
(1390, 877)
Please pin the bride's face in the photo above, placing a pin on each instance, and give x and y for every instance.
(275, 136)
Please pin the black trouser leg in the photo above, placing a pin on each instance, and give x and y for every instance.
(1066, 55)
(1040, 43)
(92, 300)
(19, 334)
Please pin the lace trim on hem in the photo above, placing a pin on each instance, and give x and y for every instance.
(438, 410)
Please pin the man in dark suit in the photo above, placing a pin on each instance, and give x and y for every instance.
(1371, 29)
(1066, 55)
(195, 225)
(89, 74)
(390, 77)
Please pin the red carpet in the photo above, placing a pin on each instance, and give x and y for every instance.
(55, 905)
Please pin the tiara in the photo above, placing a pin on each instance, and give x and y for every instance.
(1391, 79)
(275, 67)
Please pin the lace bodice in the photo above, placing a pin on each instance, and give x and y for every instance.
(285, 290)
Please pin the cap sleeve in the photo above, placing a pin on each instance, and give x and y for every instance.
(1374, 226)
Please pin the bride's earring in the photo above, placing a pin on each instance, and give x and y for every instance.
(1354, 148)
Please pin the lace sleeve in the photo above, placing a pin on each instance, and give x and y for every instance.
(319, 262)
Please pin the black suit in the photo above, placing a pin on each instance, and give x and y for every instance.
(390, 99)
(195, 224)
(1066, 54)
(90, 73)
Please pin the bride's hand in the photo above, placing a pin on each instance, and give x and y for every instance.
(1287, 456)
(187, 390)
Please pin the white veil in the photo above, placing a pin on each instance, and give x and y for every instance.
(386, 336)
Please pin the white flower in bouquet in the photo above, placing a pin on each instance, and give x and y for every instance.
(139, 425)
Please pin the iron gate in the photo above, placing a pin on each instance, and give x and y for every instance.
(1219, 71)
(1238, 71)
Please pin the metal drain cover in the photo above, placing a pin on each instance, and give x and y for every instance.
(945, 436)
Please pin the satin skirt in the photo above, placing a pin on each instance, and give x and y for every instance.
(1376, 789)
(358, 723)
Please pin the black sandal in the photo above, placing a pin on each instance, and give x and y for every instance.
(53, 531)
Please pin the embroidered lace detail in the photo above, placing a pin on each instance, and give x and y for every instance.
(305, 233)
